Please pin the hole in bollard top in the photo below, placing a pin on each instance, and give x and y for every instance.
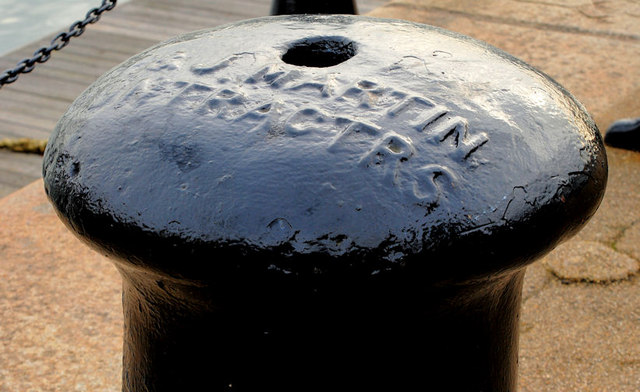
(320, 52)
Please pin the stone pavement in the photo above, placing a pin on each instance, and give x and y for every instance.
(60, 315)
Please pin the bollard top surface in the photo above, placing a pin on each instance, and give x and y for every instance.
(308, 144)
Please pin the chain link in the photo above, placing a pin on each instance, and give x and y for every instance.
(58, 42)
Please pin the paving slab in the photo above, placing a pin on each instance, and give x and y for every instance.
(581, 338)
(60, 303)
(590, 261)
(629, 241)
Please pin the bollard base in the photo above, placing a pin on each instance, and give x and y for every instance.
(388, 334)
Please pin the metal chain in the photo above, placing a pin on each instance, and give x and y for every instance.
(60, 41)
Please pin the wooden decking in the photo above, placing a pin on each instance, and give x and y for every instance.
(31, 106)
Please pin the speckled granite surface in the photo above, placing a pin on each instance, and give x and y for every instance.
(60, 312)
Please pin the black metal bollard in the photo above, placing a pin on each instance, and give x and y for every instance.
(292, 7)
(323, 203)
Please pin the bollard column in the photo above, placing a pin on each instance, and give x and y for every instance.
(285, 335)
(323, 203)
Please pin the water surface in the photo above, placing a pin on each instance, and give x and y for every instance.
(22, 22)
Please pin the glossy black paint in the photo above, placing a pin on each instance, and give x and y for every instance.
(293, 7)
(323, 203)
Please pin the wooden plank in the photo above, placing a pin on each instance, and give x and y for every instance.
(94, 54)
(29, 108)
(22, 164)
(116, 43)
(13, 130)
(63, 90)
(11, 181)
(6, 189)
(171, 16)
(148, 30)
(136, 22)
(231, 10)
(215, 18)
(18, 170)
(34, 100)
(12, 108)
(55, 63)
(369, 5)
(58, 70)
(77, 61)
(28, 120)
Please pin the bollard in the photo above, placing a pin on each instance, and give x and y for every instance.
(323, 203)
(292, 7)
